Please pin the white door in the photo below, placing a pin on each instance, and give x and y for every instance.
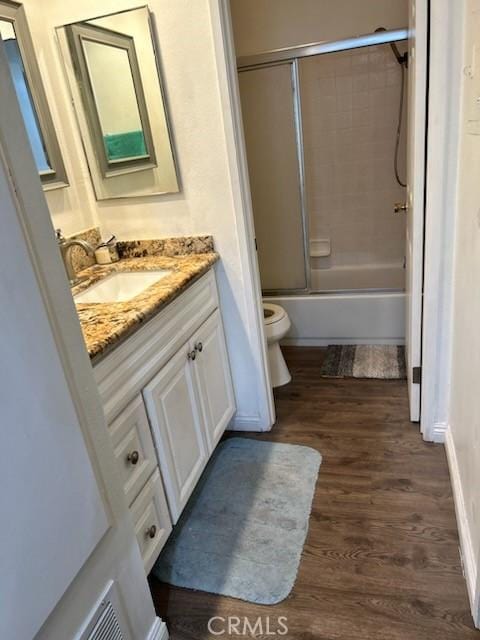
(212, 373)
(177, 428)
(52, 511)
(417, 114)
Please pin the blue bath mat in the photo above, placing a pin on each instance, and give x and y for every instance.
(243, 531)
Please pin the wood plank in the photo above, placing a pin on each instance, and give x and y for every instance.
(381, 559)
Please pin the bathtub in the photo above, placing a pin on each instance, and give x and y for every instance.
(344, 318)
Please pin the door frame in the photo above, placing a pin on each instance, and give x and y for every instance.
(444, 118)
(445, 63)
(225, 60)
(417, 140)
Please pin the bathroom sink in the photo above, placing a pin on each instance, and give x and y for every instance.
(121, 286)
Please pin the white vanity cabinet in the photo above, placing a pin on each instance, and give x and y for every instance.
(189, 403)
(168, 397)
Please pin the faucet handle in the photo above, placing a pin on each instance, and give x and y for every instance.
(59, 236)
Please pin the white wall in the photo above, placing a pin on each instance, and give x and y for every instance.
(464, 402)
(260, 25)
(206, 203)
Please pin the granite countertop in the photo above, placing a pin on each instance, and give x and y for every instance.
(105, 325)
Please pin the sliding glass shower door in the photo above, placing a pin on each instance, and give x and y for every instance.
(350, 116)
(272, 132)
(325, 128)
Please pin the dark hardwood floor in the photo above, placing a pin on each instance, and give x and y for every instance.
(381, 560)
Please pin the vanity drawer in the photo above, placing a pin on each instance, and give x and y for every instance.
(133, 448)
(151, 520)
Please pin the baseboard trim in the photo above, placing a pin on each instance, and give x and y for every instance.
(438, 432)
(325, 342)
(466, 546)
(158, 631)
(246, 423)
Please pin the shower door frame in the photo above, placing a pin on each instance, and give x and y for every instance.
(292, 55)
(297, 122)
(319, 48)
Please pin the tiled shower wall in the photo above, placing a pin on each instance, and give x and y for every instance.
(350, 103)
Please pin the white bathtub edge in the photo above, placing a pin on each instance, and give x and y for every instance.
(363, 318)
(325, 342)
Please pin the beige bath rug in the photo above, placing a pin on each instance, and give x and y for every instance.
(383, 362)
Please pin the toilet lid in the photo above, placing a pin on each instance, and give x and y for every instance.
(272, 313)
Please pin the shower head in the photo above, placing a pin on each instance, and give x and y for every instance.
(401, 59)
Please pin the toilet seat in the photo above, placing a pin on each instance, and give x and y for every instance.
(272, 313)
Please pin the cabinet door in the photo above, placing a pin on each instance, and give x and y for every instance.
(177, 428)
(212, 373)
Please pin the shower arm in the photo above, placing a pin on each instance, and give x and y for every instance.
(401, 59)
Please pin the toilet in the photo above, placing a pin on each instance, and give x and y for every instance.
(277, 324)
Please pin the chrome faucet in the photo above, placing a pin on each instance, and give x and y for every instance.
(65, 247)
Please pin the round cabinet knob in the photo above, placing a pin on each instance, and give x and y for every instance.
(192, 355)
(133, 457)
(151, 532)
(199, 347)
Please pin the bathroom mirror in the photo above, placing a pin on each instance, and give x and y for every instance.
(113, 97)
(31, 96)
(113, 70)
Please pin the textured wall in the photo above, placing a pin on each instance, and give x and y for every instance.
(465, 407)
(271, 24)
